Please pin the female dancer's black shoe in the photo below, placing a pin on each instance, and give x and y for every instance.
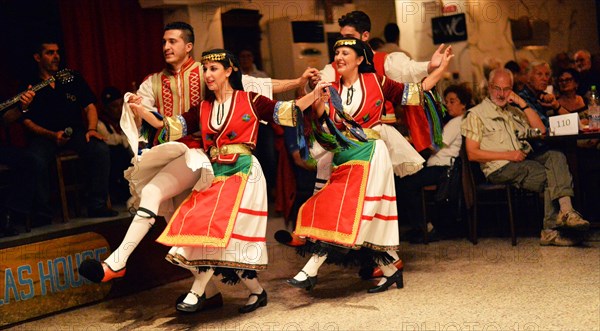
(261, 301)
(307, 284)
(395, 278)
(216, 301)
(188, 308)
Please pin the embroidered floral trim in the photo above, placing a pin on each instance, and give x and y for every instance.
(216, 263)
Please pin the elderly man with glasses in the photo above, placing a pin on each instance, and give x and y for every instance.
(494, 130)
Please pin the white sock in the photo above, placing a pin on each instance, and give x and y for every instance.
(137, 231)
(253, 285)
(565, 204)
(311, 268)
(200, 281)
(388, 270)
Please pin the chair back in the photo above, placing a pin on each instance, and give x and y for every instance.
(468, 183)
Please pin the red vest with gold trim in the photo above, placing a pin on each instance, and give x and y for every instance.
(240, 127)
(371, 106)
(168, 87)
(388, 116)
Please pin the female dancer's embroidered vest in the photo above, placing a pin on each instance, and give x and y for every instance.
(371, 106)
(388, 116)
(240, 127)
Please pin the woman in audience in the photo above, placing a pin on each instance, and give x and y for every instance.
(588, 152)
(568, 82)
(353, 218)
(458, 98)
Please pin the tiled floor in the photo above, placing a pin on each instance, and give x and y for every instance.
(449, 285)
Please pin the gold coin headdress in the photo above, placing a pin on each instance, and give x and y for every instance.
(215, 57)
(345, 42)
(353, 44)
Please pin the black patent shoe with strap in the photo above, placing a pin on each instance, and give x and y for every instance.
(261, 301)
(216, 301)
(189, 308)
(307, 284)
(396, 278)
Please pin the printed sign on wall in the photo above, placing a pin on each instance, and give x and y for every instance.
(447, 29)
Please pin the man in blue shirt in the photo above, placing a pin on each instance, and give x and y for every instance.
(534, 92)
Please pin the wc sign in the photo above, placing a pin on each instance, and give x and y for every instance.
(447, 29)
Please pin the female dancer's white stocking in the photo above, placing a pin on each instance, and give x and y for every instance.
(388, 270)
(253, 285)
(137, 230)
(201, 279)
(311, 268)
(173, 179)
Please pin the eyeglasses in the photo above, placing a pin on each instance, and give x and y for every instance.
(498, 89)
(565, 80)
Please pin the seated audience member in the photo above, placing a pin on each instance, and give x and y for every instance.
(534, 92)
(492, 139)
(63, 116)
(246, 58)
(588, 77)
(457, 99)
(588, 153)
(120, 153)
(570, 101)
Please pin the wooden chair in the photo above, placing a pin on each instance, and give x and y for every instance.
(426, 191)
(479, 192)
(69, 181)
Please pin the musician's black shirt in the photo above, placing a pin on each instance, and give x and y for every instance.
(62, 106)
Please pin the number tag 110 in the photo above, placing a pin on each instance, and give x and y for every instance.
(562, 125)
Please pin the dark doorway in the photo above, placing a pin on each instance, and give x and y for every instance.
(241, 30)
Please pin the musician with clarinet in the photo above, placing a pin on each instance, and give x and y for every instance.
(62, 116)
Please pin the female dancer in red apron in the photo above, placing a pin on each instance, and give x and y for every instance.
(353, 218)
(220, 228)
